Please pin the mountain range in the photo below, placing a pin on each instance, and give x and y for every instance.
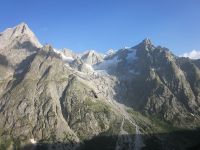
(140, 98)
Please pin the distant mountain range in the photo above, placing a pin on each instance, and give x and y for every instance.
(140, 98)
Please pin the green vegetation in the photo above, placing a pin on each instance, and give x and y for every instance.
(68, 137)
(13, 143)
(114, 128)
(16, 144)
(151, 124)
(97, 106)
(128, 127)
(162, 124)
(5, 143)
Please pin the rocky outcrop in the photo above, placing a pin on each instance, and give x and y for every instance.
(92, 57)
(16, 45)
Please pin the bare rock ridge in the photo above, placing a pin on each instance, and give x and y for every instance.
(20, 33)
(16, 45)
(92, 57)
(135, 98)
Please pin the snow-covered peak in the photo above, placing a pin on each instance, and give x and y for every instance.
(92, 57)
(20, 33)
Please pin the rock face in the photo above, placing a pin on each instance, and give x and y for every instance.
(47, 101)
(16, 45)
(43, 100)
(57, 100)
(154, 81)
(92, 57)
(31, 99)
(20, 33)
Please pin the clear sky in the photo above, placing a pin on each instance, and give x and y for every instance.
(104, 24)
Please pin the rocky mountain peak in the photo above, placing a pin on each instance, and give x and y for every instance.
(146, 45)
(69, 53)
(47, 48)
(92, 57)
(90, 53)
(147, 41)
(23, 28)
(20, 33)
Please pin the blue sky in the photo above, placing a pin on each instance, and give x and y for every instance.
(103, 24)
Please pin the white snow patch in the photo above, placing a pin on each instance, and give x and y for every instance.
(106, 64)
(65, 58)
(89, 67)
(33, 141)
(56, 51)
(192, 114)
(67, 65)
(101, 72)
(126, 47)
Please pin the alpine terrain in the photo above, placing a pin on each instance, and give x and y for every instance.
(138, 98)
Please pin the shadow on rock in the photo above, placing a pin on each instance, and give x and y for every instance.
(177, 140)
